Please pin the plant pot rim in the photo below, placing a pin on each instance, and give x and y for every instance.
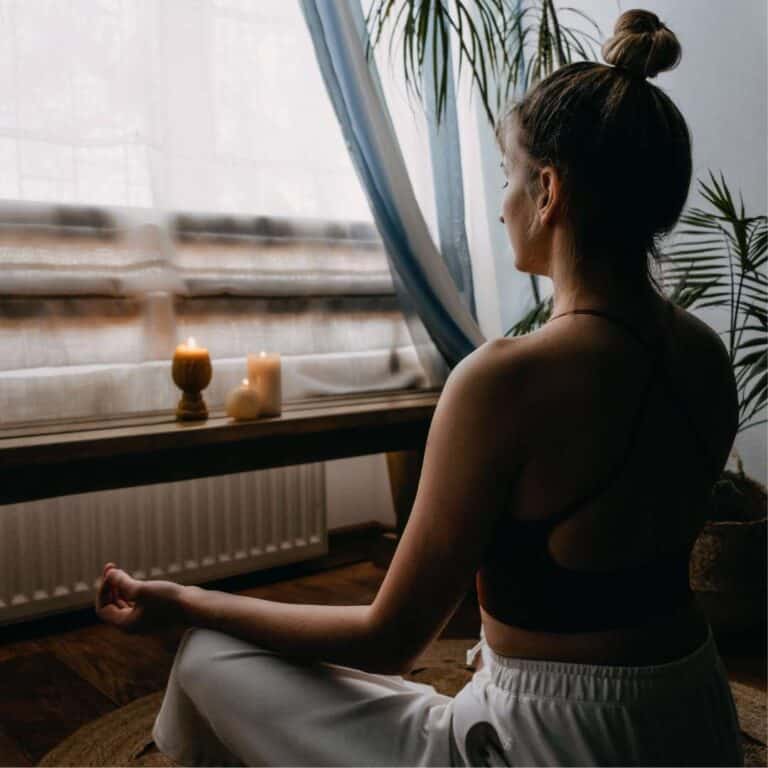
(735, 523)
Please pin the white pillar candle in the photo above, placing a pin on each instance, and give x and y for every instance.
(264, 375)
(243, 402)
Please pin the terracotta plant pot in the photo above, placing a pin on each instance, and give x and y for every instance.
(728, 564)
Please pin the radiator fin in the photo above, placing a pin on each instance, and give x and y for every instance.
(192, 531)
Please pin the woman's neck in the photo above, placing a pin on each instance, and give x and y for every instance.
(603, 292)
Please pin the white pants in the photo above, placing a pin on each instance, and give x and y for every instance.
(229, 702)
(521, 712)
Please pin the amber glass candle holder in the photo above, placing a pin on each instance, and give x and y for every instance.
(191, 373)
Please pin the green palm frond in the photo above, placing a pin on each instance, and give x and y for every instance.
(505, 44)
(539, 42)
(533, 318)
(719, 262)
(477, 34)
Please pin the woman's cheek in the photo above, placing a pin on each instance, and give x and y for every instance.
(512, 220)
(508, 209)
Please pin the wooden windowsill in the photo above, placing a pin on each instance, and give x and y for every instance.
(59, 458)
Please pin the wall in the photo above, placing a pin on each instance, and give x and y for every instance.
(357, 491)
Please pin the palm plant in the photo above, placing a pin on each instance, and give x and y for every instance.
(718, 260)
(507, 43)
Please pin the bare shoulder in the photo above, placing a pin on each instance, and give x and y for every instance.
(707, 364)
(494, 367)
(705, 338)
(702, 349)
(478, 412)
(485, 397)
(490, 383)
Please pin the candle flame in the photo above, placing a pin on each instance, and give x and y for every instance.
(191, 342)
(245, 382)
(262, 353)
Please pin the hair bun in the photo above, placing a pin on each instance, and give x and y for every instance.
(642, 44)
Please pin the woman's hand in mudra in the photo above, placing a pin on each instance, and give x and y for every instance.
(136, 606)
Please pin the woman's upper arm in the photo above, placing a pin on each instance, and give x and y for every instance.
(471, 459)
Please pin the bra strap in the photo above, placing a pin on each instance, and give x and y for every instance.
(706, 451)
(570, 508)
(614, 318)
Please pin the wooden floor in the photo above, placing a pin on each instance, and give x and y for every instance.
(58, 674)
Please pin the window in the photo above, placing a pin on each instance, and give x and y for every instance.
(173, 169)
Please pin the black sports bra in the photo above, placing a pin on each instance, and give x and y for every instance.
(519, 582)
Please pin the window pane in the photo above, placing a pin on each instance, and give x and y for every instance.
(212, 106)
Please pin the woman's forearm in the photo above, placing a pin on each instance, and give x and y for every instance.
(339, 634)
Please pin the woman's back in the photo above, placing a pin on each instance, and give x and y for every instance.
(586, 380)
(603, 436)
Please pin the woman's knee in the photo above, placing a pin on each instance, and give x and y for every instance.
(202, 655)
(194, 654)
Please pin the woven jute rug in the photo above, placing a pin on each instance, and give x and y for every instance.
(124, 737)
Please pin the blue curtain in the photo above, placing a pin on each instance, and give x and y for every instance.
(421, 276)
(447, 177)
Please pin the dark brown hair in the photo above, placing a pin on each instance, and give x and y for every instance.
(621, 146)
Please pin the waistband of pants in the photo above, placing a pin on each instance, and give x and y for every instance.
(619, 684)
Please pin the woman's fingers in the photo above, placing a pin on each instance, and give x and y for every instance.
(125, 586)
(122, 618)
(103, 594)
(115, 601)
(110, 589)
(112, 594)
(131, 604)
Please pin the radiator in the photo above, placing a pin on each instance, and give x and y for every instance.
(53, 550)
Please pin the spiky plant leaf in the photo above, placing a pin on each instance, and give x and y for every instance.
(532, 319)
(725, 271)
(505, 44)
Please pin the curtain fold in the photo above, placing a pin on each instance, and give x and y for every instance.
(421, 277)
(447, 175)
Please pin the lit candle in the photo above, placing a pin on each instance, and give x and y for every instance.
(192, 373)
(191, 350)
(264, 375)
(243, 402)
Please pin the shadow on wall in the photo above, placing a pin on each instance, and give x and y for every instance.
(357, 491)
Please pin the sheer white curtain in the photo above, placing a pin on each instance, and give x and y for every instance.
(213, 106)
(172, 168)
(503, 293)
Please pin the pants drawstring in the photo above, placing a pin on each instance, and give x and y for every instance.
(475, 649)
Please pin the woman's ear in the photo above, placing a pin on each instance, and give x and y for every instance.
(549, 196)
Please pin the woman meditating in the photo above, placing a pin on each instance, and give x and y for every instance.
(566, 471)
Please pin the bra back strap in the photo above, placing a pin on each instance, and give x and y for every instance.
(613, 318)
(571, 508)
